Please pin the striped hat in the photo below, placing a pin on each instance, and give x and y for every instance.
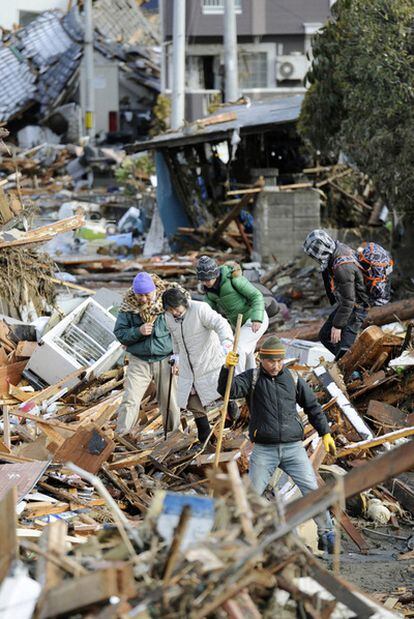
(272, 348)
(207, 269)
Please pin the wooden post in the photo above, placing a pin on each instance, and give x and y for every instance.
(227, 392)
(8, 536)
(6, 427)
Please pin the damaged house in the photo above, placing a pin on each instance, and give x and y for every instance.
(206, 171)
(41, 70)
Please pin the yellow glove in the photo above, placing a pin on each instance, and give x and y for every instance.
(329, 444)
(232, 359)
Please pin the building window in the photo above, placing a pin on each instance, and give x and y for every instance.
(253, 70)
(216, 7)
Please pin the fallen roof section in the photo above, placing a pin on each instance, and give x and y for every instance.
(244, 118)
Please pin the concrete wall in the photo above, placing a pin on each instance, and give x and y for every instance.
(282, 221)
(106, 90)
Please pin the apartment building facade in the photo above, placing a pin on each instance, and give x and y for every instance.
(274, 45)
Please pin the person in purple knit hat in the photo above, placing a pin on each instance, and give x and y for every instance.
(141, 328)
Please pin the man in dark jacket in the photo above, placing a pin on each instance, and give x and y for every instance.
(141, 328)
(345, 288)
(275, 427)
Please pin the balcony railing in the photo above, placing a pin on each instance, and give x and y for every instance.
(216, 7)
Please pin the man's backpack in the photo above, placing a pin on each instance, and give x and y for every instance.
(376, 265)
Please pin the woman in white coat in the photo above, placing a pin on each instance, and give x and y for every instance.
(201, 339)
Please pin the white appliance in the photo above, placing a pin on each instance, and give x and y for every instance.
(291, 67)
(84, 338)
(307, 353)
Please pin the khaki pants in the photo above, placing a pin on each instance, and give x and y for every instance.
(139, 375)
(195, 407)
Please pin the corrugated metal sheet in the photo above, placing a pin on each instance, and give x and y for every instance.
(257, 114)
(24, 475)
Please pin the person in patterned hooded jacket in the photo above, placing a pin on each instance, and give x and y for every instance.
(345, 289)
(141, 328)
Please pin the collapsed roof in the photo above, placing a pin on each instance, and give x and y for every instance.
(39, 62)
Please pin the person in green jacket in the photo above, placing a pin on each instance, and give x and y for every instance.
(229, 293)
(141, 328)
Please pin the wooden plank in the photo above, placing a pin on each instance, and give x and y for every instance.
(340, 589)
(78, 594)
(403, 493)
(6, 428)
(216, 119)
(11, 374)
(45, 233)
(232, 214)
(386, 414)
(132, 460)
(25, 349)
(88, 448)
(49, 392)
(243, 506)
(390, 437)
(52, 541)
(8, 538)
(225, 457)
(19, 394)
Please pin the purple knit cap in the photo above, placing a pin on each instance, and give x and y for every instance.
(143, 283)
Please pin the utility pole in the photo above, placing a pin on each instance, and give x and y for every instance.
(163, 81)
(89, 112)
(178, 69)
(231, 73)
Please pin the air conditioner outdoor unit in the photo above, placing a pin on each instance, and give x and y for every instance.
(291, 67)
(84, 338)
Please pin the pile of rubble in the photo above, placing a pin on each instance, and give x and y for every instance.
(130, 525)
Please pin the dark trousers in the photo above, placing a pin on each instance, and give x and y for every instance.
(348, 333)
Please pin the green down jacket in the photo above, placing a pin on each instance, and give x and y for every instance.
(236, 295)
(151, 348)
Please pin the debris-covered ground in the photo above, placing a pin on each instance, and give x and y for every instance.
(140, 526)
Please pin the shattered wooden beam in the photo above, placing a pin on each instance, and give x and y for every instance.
(46, 233)
(241, 204)
(80, 593)
(53, 542)
(343, 403)
(340, 589)
(400, 310)
(390, 437)
(403, 493)
(88, 448)
(371, 474)
(8, 538)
